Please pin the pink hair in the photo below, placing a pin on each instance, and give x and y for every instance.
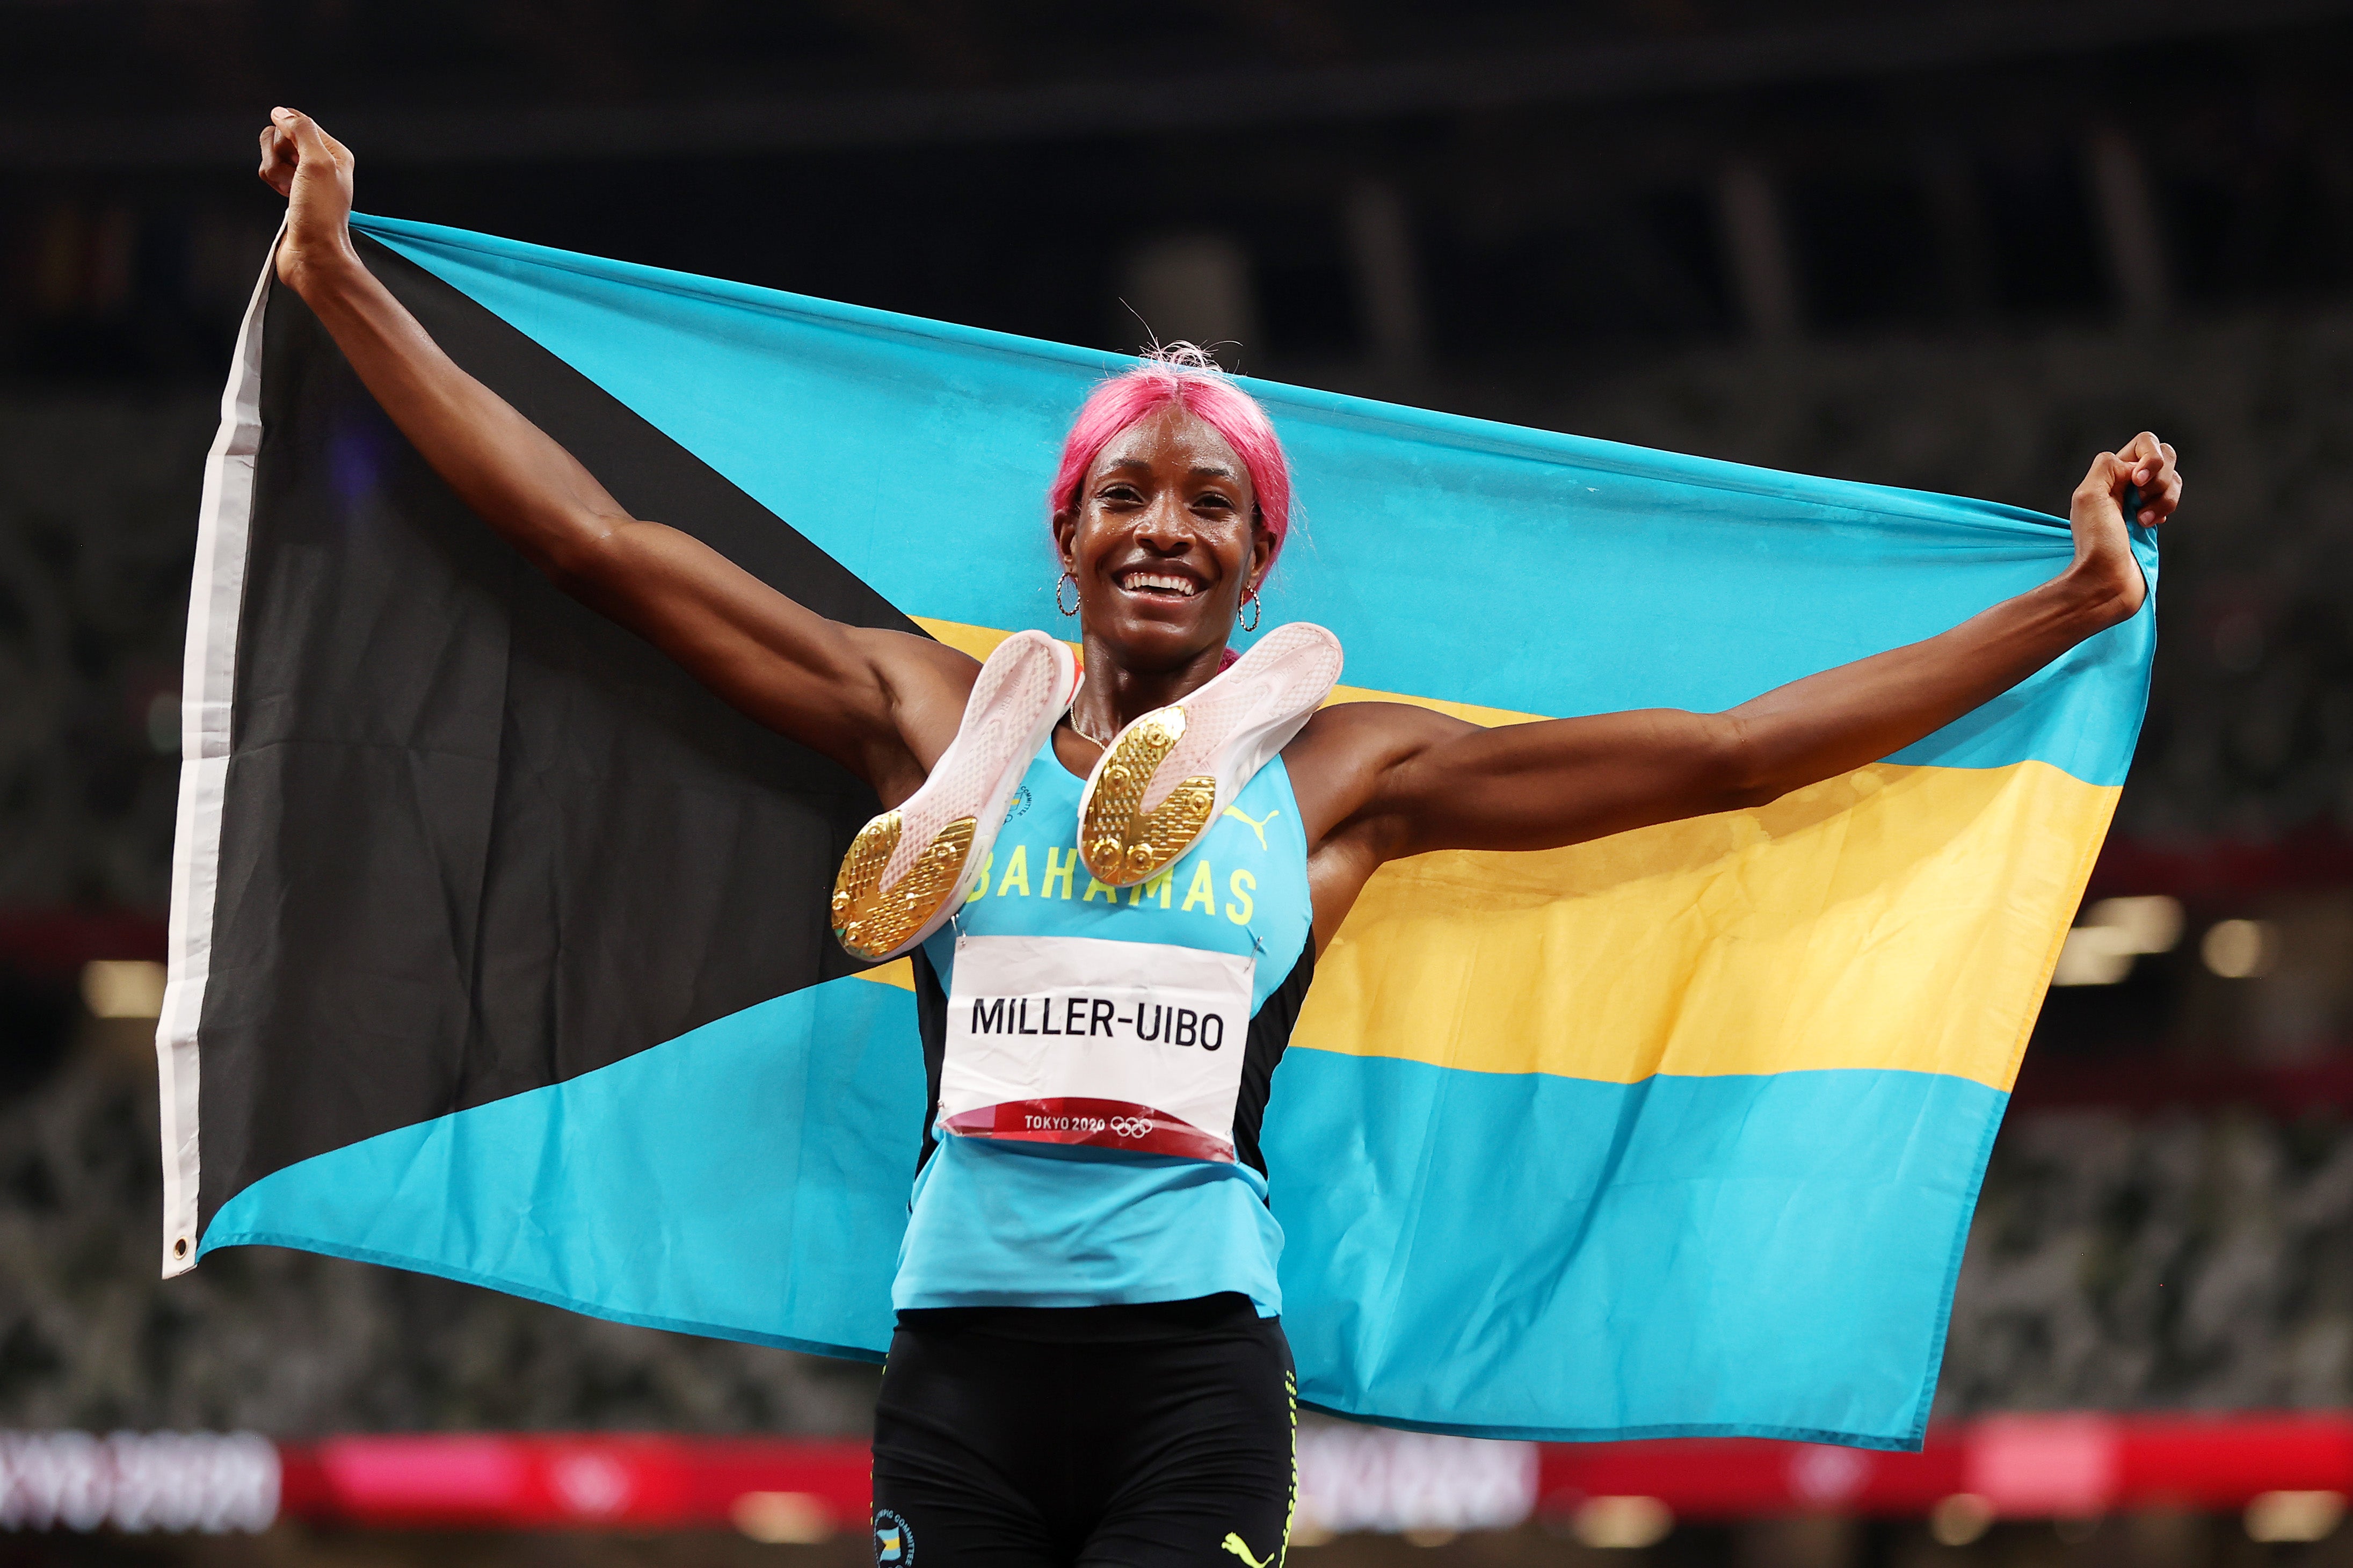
(1188, 378)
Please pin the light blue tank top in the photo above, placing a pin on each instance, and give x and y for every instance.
(997, 1222)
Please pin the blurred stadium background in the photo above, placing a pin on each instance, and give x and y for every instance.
(1947, 245)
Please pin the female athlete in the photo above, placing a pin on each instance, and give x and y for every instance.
(1088, 1364)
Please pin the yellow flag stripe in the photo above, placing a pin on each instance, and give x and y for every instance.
(1895, 917)
(977, 641)
(899, 971)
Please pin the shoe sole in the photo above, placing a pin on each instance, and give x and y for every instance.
(911, 867)
(1207, 746)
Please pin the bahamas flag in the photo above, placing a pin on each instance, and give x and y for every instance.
(499, 947)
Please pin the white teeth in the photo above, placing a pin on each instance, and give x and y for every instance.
(1136, 580)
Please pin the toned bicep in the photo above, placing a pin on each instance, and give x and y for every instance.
(885, 704)
(1558, 782)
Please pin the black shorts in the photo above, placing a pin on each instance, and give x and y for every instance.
(1151, 1435)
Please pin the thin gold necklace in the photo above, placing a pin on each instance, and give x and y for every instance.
(1083, 731)
(1080, 729)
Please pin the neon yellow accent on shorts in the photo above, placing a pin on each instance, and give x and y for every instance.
(1240, 1548)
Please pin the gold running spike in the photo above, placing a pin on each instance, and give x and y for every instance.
(871, 920)
(1121, 845)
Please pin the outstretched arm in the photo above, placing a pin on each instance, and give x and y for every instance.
(1426, 781)
(882, 703)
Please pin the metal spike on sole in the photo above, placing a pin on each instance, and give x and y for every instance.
(871, 920)
(1120, 844)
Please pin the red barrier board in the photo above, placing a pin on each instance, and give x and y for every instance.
(2066, 1466)
(534, 1481)
(2026, 1466)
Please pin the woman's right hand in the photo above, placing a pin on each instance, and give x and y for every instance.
(313, 172)
(881, 703)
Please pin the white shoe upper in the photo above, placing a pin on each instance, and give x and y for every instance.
(1241, 718)
(1022, 691)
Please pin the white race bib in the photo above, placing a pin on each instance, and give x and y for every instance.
(1123, 1044)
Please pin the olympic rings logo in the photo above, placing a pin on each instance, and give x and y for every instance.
(1130, 1126)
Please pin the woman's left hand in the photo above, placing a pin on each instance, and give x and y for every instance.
(2103, 546)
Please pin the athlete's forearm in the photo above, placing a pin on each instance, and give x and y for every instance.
(1538, 785)
(510, 472)
(1542, 785)
(855, 695)
(1807, 730)
(1843, 717)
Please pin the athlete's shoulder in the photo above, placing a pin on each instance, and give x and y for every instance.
(914, 657)
(1367, 730)
(1341, 760)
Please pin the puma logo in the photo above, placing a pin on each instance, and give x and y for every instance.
(1257, 826)
(1234, 1543)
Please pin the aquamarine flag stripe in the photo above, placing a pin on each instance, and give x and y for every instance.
(1759, 1255)
(1456, 558)
(1529, 1255)
(748, 1180)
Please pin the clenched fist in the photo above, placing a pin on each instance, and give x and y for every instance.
(313, 172)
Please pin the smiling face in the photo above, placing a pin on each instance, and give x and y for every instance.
(1163, 542)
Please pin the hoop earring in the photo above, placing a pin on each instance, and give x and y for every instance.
(1073, 581)
(1257, 612)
